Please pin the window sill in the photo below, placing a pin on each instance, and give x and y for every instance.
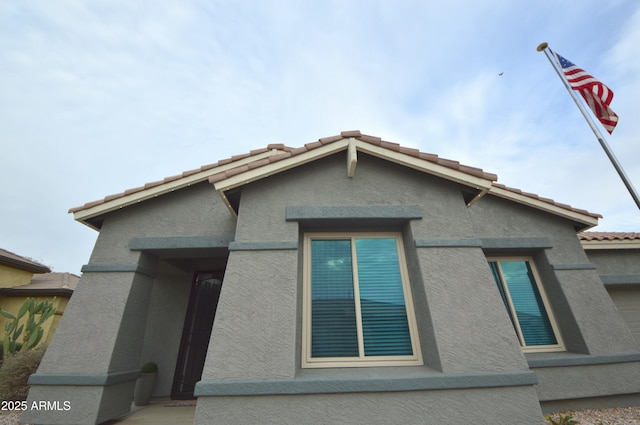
(361, 380)
(566, 359)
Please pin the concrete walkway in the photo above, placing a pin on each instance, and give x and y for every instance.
(157, 413)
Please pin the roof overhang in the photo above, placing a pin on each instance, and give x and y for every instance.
(610, 244)
(582, 220)
(36, 292)
(223, 183)
(230, 175)
(90, 214)
(25, 265)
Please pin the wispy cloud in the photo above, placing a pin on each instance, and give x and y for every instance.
(97, 97)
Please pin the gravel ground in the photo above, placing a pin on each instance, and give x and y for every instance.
(9, 418)
(616, 416)
(613, 416)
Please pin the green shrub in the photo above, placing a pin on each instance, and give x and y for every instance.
(39, 312)
(562, 420)
(149, 367)
(15, 371)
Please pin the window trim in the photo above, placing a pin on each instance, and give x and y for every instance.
(361, 361)
(545, 302)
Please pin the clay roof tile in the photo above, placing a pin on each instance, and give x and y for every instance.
(327, 140)
(410, 151)
(289, 152)
(280, 146)
(350, 133)
(609, 236)
(279, 157)
(370, 139)
(313, 145)
(236, 170)
(391, 146)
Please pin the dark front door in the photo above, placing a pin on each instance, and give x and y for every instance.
(205, 292)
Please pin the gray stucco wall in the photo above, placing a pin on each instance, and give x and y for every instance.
(615, 261)
(195, 211)
(515, 405)
(474, 369)
(463, 326)
(167, 310)
(130, 303)
(619, 269)
(588, 320)
(257, 332)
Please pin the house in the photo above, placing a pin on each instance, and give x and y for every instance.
(351, 280)
(17, 270)
(22, 278)
(616, 256)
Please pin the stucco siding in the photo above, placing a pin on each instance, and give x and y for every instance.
(131, 302)
(167, 310)
(195, 211)
(472, 329)
(474, 406)
(616, 261)
(620, 271)
(627, 299)
(11, 276)
(575, 382)
(253, 335)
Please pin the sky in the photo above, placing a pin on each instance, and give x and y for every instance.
(98, 96)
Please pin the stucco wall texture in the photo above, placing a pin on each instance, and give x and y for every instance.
(464, 330)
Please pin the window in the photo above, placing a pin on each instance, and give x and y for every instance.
(526, 303)
(357, 308)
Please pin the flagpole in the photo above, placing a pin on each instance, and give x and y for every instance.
(544, 47)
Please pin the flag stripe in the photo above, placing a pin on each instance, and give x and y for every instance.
(597, 96)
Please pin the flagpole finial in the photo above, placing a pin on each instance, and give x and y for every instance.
(542, 46)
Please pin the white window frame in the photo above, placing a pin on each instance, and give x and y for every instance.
(361, 360)
(545, 301)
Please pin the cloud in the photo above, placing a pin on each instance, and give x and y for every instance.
(98, 97)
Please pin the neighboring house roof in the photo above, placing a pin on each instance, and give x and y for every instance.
(239, 170)
(610, 240)
(14, 260)
(46, 284)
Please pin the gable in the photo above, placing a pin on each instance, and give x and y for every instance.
(229, 176)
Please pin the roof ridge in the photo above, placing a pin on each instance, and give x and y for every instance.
(287, 152)
(273, 153)
(356, 134)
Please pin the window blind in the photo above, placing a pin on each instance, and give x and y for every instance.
(333, 313)
(384, 318)
(527, 302)
(380, 307)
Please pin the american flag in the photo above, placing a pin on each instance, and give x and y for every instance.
(597, 95)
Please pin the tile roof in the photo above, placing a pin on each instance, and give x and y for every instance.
(54, 280)
(45, 284)
(274, 153)
(376, 141)
(609, 236)
(546, 200)
(18, 261)
(204, 168)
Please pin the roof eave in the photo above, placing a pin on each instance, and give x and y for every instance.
(24, 265)
(584, 221)
(240, 179)
(610, 244)
(87, 215)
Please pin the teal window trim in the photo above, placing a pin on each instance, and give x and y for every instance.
(357, 304)
(526, 303)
